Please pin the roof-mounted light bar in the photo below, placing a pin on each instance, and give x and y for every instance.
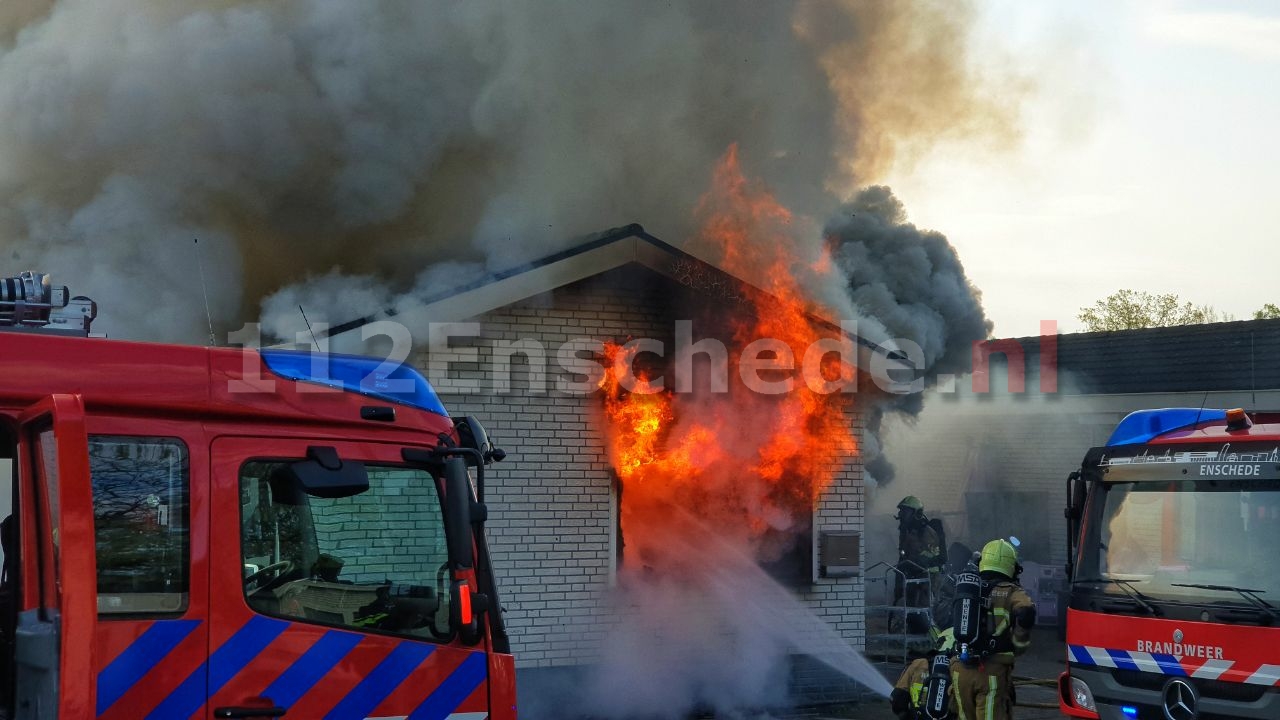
(1146, 425)
(371, 377)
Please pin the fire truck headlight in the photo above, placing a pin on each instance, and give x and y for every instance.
(1081, 695)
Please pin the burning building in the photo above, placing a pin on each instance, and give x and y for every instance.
(690, 436)
(659, 475)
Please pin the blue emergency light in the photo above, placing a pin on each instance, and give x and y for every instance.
(1146, 425)
(371, 377)
(1129, 710)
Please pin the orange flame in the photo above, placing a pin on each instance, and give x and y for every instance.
(748, 463)
(638, 415)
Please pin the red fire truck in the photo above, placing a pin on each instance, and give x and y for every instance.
(220, 533)
(1174, 609)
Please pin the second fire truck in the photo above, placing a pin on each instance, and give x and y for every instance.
(1174, 609)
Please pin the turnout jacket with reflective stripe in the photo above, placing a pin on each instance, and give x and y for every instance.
(1007, 599)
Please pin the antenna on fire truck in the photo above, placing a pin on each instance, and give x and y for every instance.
(314, 341)
(213, 339)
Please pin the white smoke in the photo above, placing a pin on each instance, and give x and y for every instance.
(705, 628)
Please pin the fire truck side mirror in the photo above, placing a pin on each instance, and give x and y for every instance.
(1075, 496)
(457, 514)
(323, 474)
(465, 606)
(1077, 492)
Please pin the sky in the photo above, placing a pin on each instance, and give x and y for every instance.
(1149, 159)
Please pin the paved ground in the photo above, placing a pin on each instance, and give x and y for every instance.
(1043, 662)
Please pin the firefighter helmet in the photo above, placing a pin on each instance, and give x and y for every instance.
(999, 556)
(912, 502)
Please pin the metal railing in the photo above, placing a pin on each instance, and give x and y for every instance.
(898, 640)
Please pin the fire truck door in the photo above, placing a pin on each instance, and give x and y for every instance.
(333, 604)
(58, 611)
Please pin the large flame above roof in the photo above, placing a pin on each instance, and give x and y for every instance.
(752, 461)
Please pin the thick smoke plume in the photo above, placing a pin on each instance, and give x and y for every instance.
(300, 136)
(908, 279)
(910, 285)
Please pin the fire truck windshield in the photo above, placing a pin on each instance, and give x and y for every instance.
(373, 561)
(1174, 540)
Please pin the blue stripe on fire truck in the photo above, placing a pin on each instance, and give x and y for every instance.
(153, 646)
(222, 665)
(379, 683)
(298, 679)
(454, 690)
(1170, 665)
(241, 649)
(1127, 660)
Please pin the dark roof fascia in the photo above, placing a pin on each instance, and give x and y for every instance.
(1204, 357)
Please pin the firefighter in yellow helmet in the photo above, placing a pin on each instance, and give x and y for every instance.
(908, 696)
(983, 684)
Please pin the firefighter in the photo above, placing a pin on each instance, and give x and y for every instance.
(983, 684)
(907, 699)
(920, 555)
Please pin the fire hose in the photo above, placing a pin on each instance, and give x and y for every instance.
(1035, 682)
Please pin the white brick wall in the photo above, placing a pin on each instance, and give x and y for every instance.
(840, 601)
(394, 532)
(553, 517)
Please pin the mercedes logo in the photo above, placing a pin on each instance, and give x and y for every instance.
(1177, 636)
(1180, 700)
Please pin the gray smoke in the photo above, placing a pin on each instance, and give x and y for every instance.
(911, 282)
(300, 136)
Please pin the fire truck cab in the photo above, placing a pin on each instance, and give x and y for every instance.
(196, 532)
(1174, 610)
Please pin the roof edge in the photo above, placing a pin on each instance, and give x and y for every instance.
(605, 238)
(600, 242)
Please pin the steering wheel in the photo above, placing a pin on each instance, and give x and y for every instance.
(274, 571)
